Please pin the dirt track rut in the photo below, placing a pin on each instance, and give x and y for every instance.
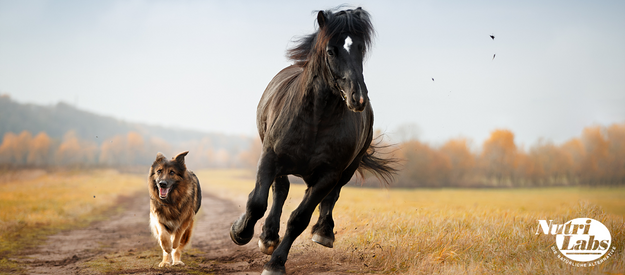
(122, 244)
(128, 232)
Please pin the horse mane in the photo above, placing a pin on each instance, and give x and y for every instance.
(354, 21)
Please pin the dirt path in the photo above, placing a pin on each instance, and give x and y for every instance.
(123, 244)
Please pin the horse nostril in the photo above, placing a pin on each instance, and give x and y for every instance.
(361, 100)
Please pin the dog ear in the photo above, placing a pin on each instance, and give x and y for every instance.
(160, 157)
(180, 158)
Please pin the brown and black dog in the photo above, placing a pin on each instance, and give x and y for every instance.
(175, 198)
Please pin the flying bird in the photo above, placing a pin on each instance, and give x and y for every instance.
(432, 79)
(494, 56)
(492, 36)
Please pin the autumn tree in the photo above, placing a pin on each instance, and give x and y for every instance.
(552, 164)
(112, 151)
(201, 153)
(76, 152)
(616, 148)
(499, 155)
(461, 159)
(526, 172)
(135, 147)
(132, 149)
(575, 153)
(250, 157)
(423, 166)
(39, 154)
(7, 148)
(155, 145)
(14, 148)
(594, 164)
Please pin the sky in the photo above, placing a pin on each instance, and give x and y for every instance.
(558, 66)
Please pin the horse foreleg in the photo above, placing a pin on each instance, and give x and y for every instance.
(242, 229)
(270, 238)
(299, 220)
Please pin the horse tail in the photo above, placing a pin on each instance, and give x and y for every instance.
(382, 168)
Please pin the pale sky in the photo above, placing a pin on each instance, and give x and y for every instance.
(559, 65)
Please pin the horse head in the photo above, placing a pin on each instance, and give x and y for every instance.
(342, 40)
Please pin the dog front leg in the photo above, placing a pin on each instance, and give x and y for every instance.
(166, 245)
(180, 239)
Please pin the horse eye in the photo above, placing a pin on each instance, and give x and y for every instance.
(171, 172)
(159, 171)
(330, 51)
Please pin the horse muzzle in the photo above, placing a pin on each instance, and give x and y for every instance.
(357, 99)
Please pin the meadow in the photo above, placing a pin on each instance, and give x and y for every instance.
(411, 231)
(34, 203)
(450, 231)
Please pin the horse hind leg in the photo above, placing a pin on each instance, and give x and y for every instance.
(270, 238)
(242, 230)
(299, 220)
(323, 230)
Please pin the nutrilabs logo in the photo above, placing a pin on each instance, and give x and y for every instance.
(581, 242)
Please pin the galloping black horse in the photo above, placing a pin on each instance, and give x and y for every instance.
(315, 122)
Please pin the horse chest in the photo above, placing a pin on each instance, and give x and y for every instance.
(305, 147)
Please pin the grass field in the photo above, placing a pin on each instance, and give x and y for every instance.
(450, 231)
(34, 203)
(423, 231)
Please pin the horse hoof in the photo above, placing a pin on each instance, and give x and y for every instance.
(238, 240)
(325, 241)
(178, 263)
(268, 247)
(268, 272)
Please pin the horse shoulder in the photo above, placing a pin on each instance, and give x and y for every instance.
(273, 100)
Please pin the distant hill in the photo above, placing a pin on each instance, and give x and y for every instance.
(57, 120)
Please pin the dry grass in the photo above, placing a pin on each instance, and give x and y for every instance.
(450, 231)
(442, 231)
(35, 203)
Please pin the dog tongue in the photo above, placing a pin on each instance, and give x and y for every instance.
(164, 192)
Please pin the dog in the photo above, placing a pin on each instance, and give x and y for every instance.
(175, 198)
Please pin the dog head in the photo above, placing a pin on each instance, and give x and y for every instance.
(166, 174)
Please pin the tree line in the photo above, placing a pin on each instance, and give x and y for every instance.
(596, 158)
(24, 150)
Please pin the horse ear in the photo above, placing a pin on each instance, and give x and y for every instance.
(321, 19)
(358, 11)
(180, 157)
(159, 157)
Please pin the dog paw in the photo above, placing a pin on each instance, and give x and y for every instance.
(164, 264)
(178, 263)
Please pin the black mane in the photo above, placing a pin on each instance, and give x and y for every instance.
(353, 21)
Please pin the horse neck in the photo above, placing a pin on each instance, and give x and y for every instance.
(317, 95)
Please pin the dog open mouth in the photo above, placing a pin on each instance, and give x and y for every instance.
(162, 192)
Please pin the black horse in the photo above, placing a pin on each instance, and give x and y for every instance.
(315, 122)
